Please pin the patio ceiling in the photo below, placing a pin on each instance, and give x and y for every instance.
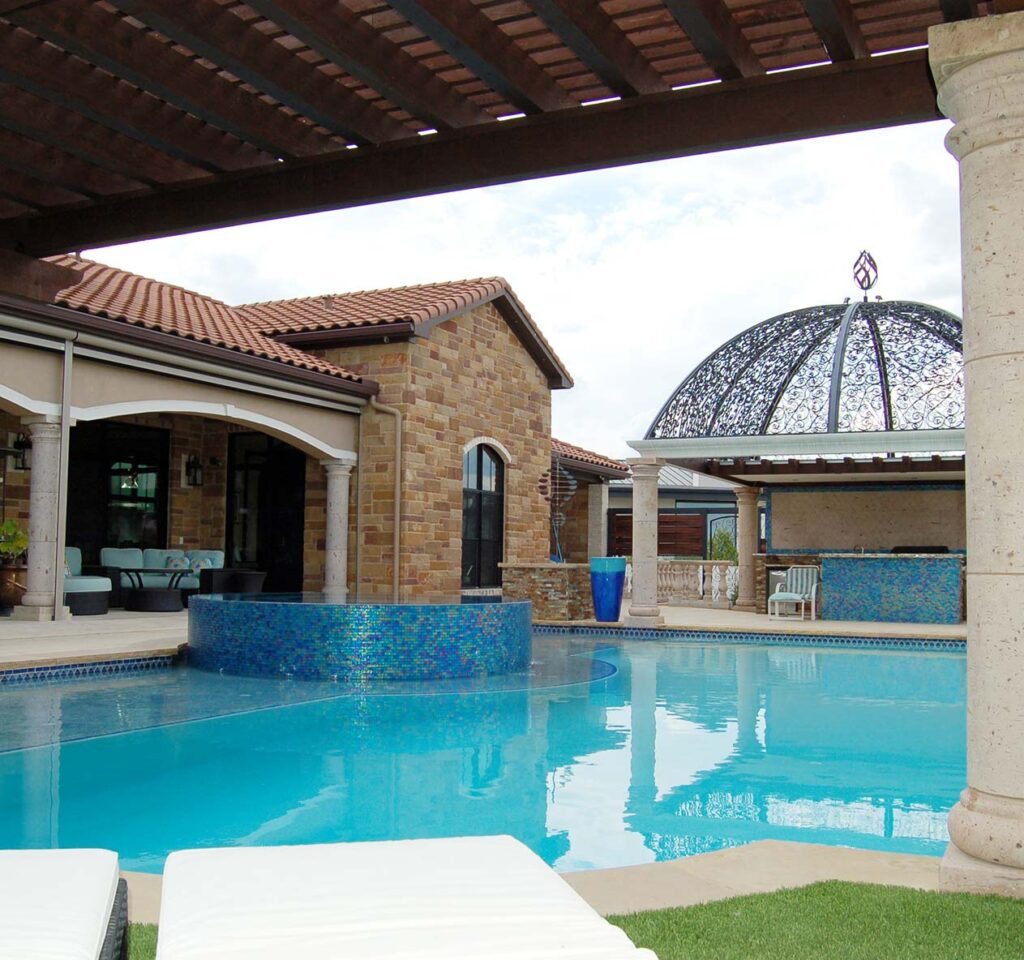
(127, 119)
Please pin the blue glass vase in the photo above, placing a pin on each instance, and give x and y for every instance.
(607, 576)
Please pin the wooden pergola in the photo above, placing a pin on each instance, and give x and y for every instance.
(128, 119)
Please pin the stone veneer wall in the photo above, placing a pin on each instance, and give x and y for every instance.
(762, 561)
(468, 378)
(872, 518)
(574, 533)
(558, 591)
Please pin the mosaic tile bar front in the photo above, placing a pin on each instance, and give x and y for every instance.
(892, 588)
(358, 642)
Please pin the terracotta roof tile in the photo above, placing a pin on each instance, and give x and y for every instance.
(418, 305)
(569, 451)
(119, 295)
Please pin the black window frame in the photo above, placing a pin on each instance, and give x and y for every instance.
(483, 511)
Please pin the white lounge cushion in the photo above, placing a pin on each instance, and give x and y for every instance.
(464, 897)
(55, 904)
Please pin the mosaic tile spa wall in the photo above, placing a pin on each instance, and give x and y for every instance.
(359, 642)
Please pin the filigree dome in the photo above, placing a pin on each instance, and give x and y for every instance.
(880, 365)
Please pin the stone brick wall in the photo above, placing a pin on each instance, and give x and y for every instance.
(558, 591)
(470, 377)
(573, 534)
(314, 531)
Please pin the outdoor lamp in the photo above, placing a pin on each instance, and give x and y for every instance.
(194, 471)
(23, 452)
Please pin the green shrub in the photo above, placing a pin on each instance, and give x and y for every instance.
(723, 547)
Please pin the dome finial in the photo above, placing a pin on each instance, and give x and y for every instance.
(865, 272)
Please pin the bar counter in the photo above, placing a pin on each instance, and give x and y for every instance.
(893, 587)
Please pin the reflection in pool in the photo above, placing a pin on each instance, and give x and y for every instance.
(684, 748)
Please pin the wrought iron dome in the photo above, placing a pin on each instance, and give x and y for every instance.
(837, 368)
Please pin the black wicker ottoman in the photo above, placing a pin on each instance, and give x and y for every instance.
(153, 600)
(90, 603)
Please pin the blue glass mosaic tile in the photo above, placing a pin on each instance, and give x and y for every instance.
(760, 638)
(359, 642)
(56, 672)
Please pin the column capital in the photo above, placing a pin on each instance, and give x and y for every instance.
(645, 467)
(748, 493)
(42, 426)
(342, 467)
(978, 66)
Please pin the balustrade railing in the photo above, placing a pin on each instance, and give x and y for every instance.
(697, 581)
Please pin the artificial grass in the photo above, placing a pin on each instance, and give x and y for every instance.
(838, 921)
(141, 941)
(834, 920)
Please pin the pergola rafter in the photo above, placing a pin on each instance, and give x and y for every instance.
(128, 119)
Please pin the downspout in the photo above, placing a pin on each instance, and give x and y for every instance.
(359, 511)
(397, 537)
(62, 482)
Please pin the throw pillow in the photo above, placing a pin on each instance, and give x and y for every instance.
(177, 563)
(201, 563)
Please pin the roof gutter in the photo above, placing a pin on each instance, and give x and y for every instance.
(131, 339)
(583, 466)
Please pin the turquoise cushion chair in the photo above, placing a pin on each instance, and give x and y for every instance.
(85, 595)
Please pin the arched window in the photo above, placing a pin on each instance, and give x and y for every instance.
(483, 511)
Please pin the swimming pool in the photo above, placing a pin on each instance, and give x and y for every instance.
(604, 755)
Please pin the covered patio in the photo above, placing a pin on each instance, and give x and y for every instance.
(128, 120)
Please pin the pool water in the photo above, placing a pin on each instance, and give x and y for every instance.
(604, 755)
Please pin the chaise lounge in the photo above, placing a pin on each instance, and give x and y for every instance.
(463, 898)
(67, 904)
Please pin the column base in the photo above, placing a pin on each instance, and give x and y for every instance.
(745, 607)
(37, 614)
(643, 617)
(961, 872)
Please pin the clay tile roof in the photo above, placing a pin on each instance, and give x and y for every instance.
(426, 303)
(119, 295)
(568, 451)
(417, 305)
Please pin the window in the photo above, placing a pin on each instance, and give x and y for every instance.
(483, 495)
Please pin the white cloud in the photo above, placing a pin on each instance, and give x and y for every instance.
(634, 274)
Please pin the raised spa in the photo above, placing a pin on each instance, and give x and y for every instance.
(307, 637)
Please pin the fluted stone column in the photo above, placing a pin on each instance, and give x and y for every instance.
(44, 484)
(979, 71)
(748, 533)
(597, 520)
(336, 535)
(643, 607)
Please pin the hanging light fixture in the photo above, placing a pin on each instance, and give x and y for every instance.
(130, 481)
(23, 452)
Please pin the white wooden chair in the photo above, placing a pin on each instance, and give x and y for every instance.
(800, 588)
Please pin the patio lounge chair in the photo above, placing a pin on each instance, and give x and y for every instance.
(463, 898)
(62, 905)
(800, 587)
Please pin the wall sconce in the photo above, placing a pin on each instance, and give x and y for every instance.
(23, 452)
(194, 471)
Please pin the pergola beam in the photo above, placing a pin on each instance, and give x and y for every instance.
(341, 36)
(136, 56)
(959, 9)
(601, 46)
(472, 38)
(835, 23)
(860, 95)
(215, 33)
(716, 37)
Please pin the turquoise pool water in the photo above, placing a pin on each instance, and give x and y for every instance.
(604, 755)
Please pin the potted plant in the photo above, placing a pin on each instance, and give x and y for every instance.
(13, 543)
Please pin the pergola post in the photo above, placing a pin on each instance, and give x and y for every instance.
(597, 519)
(643, 607)
(44, 487)
(979, 70)
(747, 536)
(339, 473)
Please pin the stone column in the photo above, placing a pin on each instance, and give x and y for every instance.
(336, 535)
(597, 520)
(643, 729)
(748, 533)
(643, 607)
(979, 70)
(44, 483)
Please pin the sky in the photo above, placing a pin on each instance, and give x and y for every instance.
(633, 274)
